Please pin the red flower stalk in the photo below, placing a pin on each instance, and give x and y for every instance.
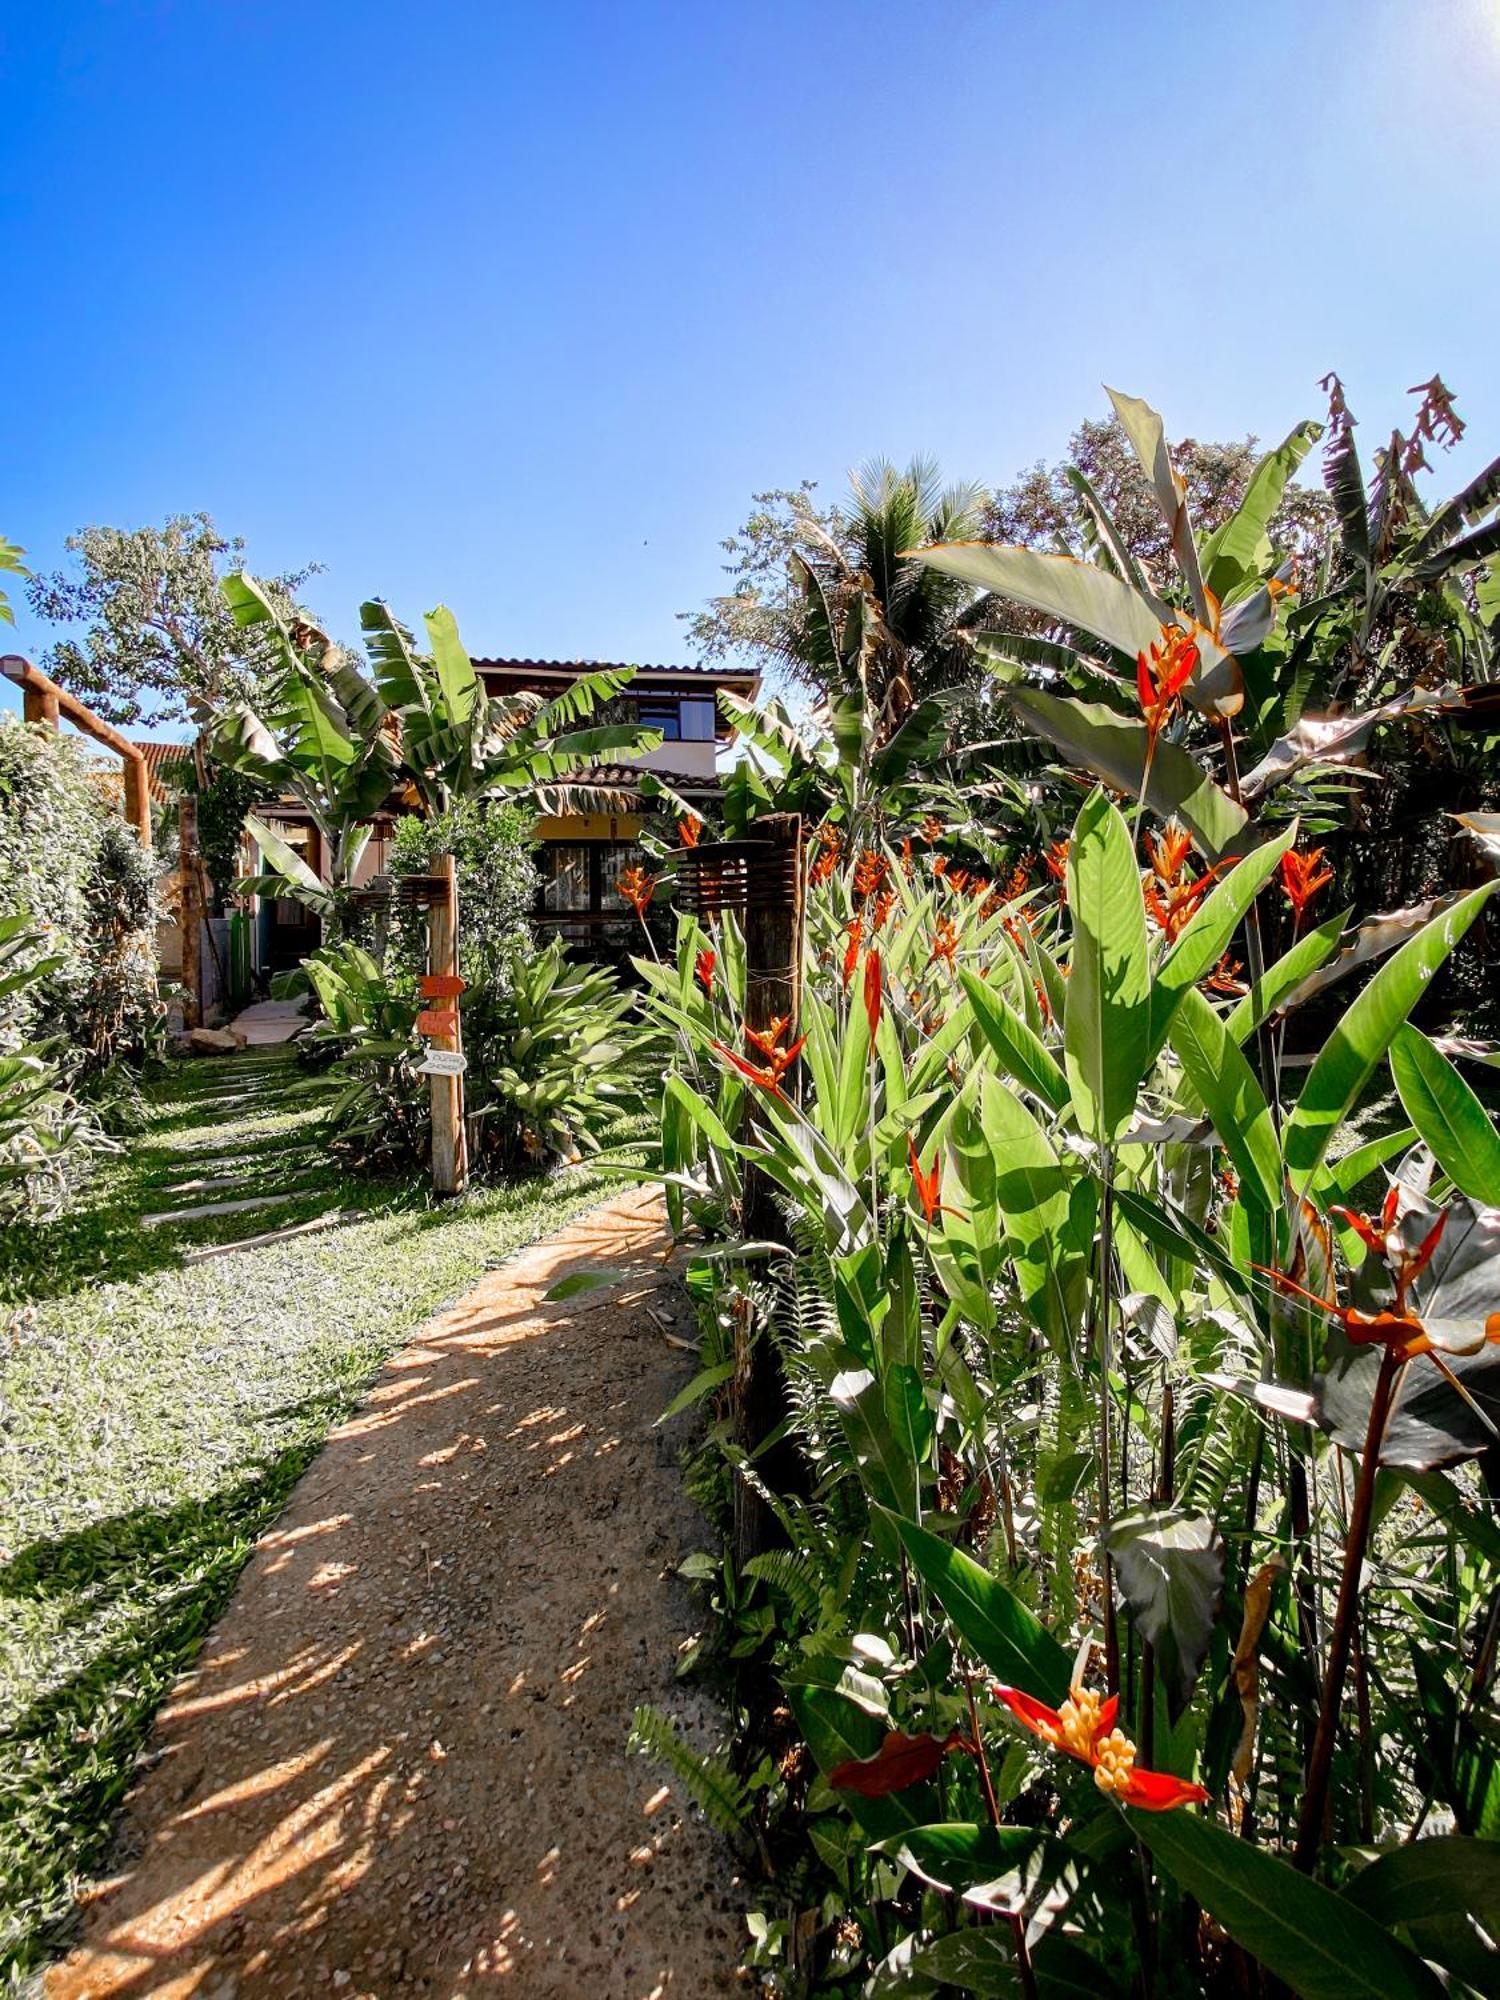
(931, 829)
(851, 953)
(778, 1060)
(885, 902)
(872, 991)
(703, 968)
(906, 853)
(1161, 677)
(927, 1184)
(1084, 1727)
(689, 829)
(830, 853)
(1223, 978)
(1302, 878)
(958, 880)
(637, 888)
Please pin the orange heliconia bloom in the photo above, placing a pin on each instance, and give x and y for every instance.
(689, 830)
(830, 853)
(851, 954)
(703, 967)
(872, 991)
(1169, 853)
(870, 872)
(1019, 879)
(1172, 912)
(637, 888)
(906, 853)
(931, 829)
(1302, 878)
(958, 880)
(944, 942)
(1084, 1727)
(927, 1184)
(1161, 677)
(1223, 977)
(940, 864)
(1056, 860)
(768, 1043)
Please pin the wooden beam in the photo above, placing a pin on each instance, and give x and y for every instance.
(42, 700)
(450, 1154)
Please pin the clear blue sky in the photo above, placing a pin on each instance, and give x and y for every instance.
(513, 307)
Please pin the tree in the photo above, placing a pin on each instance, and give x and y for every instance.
(1045, 507)
(159, 635)
(801, 574)
(10, 559)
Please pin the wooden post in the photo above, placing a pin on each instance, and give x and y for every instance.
(42, 700)
(189, 909)
(773, 990)
(450, 1151)
(41, 705)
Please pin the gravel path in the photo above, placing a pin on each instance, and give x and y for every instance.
(400, 1763)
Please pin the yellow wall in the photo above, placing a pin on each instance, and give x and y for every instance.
(589, 826)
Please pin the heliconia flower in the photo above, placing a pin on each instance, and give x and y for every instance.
(851, 952)
(1302, 878)
(1161, 677)
(1223, 978)
(1169, 853)
(906, 853)
(1084, 1727)
(1172, 912)
(872, 991)
(939, 864)
(1056, 858)
(1019, 879)
(689, 829)
(703, 968)
(637, 888)
(927, 1184)
(870, 872)
(958, 880)
(830, 853)
(931, 829)
(768, 1043)
(944, 942)
(768, 1040)
(884, 903)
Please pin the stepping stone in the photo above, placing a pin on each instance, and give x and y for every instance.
(214, 1183)
(330, 1221)
(166, 1216)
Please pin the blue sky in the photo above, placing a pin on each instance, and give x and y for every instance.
(513, 307)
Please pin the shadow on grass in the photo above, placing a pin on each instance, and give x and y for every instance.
(67, 1759)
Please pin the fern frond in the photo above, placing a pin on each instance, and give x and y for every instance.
(721, 1795)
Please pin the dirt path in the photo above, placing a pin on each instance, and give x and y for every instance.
(400, 1763)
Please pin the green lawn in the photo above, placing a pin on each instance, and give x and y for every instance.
(154, 1417)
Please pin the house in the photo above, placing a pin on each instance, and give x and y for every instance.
(582, 856)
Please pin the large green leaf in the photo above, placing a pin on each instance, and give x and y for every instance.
(1216, 1067)
(1444, 1893)
(1113, 747)
(1346, 488)
(1320, 1944)
(288, 864)
(1106, 1024)
(1364, 1033)
(1240, 550)
(1170, 1562)
(1034, 1196)
(1147, 434)
(1022, 1054)
(456, 678)
(1075, 593)
(991, 1620)
(1449, 1117)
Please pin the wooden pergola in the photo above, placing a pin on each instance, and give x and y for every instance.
(42, 700)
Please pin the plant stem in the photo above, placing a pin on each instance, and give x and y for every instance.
(1106, 1250)
(1320, 1766)
(986, 1783)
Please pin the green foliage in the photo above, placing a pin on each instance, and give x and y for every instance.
(494, 849)
(46, 1139)
(159, 639)
(709, 1781)
(72, 867)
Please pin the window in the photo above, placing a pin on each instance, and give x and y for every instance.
(697, 720)
(566, 877)
(660, 712)
(613, 860)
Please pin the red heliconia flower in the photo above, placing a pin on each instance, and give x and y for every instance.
(944, 942)
(931, 829)
(885, 902)
(927, 1184)
(1172, 912)
(939, 864)
(851, 951)
(1084, 1727)
(870, 872)
(830, 853)
(906, 852)
(1169, 853)
(872, 991)
(637, 888)
(1302, 878)
(703, 968)
(768, 1043)
(1161, 677)
(1223, 978)
(958, 880)
(689, 830)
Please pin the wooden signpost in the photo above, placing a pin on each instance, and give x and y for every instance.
(450, 1152)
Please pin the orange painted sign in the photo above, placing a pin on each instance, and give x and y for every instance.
(441, 985)
(437, 1021)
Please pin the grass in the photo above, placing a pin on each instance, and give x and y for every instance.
(155, 1416)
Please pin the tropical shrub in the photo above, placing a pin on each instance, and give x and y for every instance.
(1142, 1384)
(47, 1140)
(73, 867)
(493, 848)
